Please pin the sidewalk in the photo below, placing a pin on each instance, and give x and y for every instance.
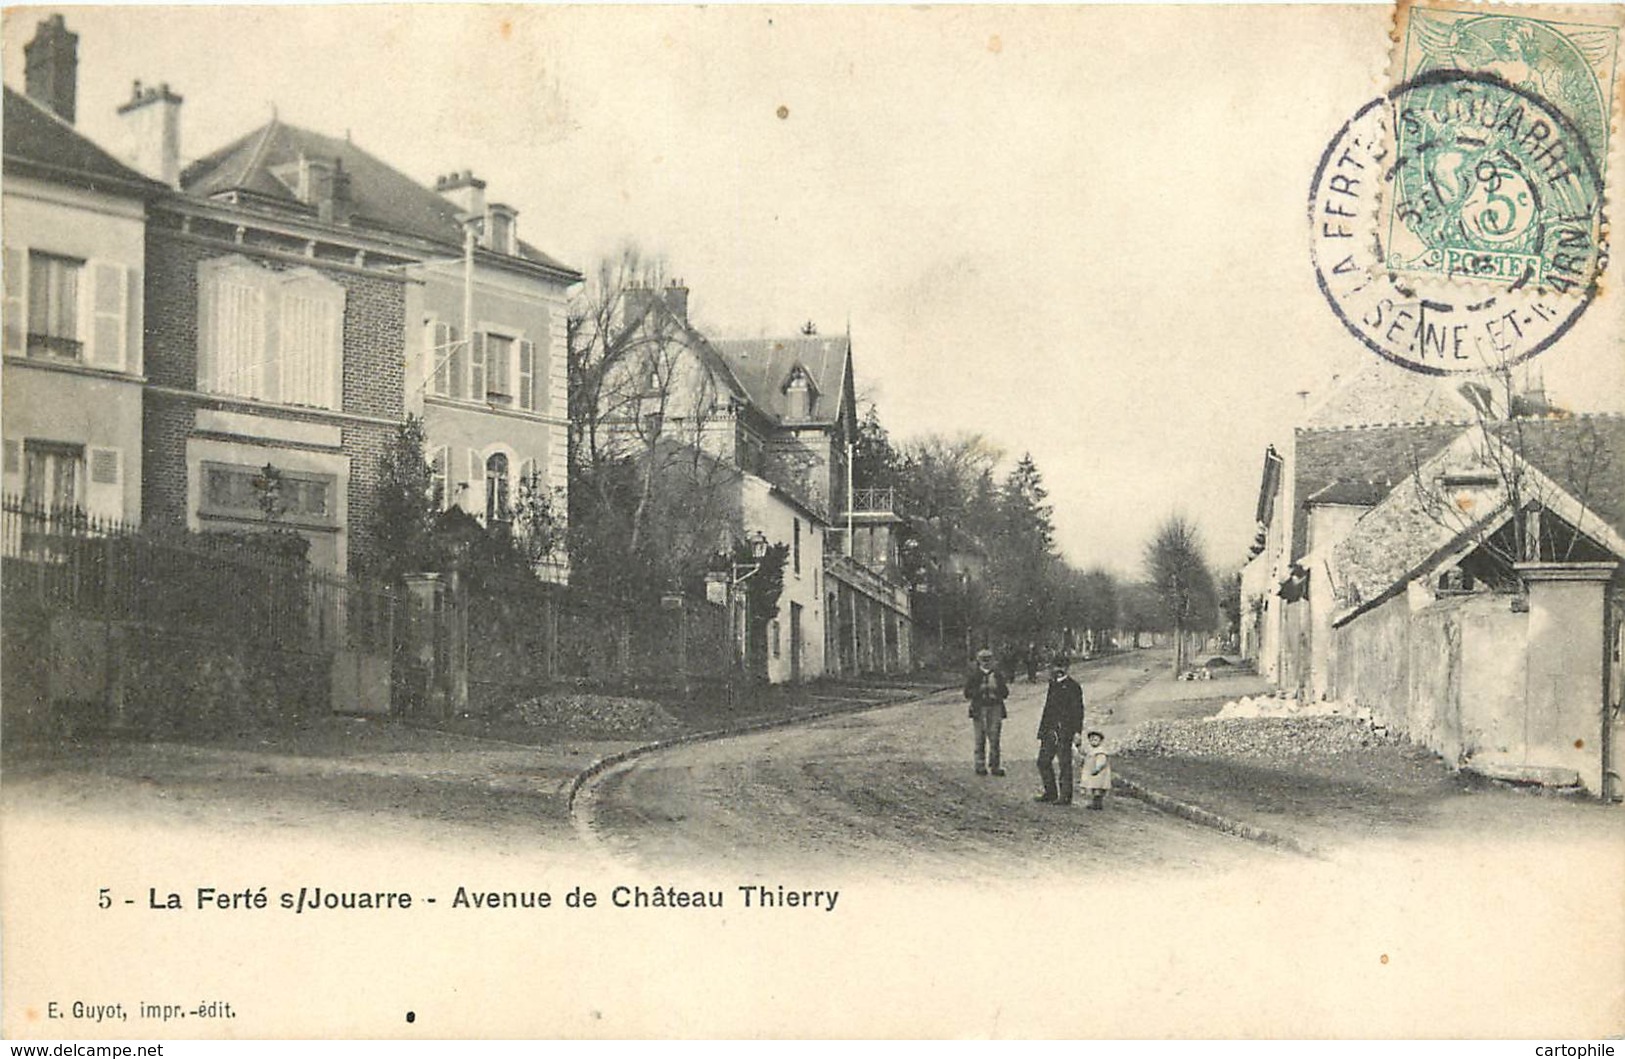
(1325, 783)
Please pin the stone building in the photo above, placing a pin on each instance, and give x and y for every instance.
(304, 296)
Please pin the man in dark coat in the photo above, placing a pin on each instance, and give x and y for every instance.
(986, 689)
(1061, 723)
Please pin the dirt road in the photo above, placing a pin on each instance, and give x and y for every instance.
(891, 790)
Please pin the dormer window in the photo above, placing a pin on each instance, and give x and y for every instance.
(798, 395)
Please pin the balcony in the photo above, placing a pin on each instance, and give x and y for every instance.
(872, 502)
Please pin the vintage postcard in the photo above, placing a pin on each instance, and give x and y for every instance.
(740, 521)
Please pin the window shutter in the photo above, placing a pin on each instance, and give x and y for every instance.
(529, 483)
(474, 498)
(440, 357)
(108, 333)
(527, 374)
(476, 368)
(456, 362)
(439, 468)
(15, 309)
(233, 329)
(309, 351)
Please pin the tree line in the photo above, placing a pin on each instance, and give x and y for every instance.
(979, 553)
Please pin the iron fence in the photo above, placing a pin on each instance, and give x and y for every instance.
(66, 561)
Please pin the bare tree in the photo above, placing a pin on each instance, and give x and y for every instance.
(643, 398)
(1178, 576)
(1529, 453)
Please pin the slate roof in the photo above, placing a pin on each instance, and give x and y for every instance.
(38, 143)
(1582, 455)
(1585, 455)
(385, 198)
(1388, 452)
(762, 366)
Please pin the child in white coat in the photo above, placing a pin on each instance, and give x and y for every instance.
(1095, 770)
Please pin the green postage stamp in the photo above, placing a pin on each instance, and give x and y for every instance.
(1502, 138)
(1459, 221)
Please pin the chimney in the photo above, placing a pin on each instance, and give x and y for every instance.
(637, 301)
(677, 300)
(501, 229)
(52, 67)
(322, 182)
(464, 191)
(151, 124)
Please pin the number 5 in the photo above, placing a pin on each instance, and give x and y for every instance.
(104, 898)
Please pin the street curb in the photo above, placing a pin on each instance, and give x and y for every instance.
(610, 761)
(1208, 818)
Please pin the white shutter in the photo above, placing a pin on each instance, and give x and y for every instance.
(528, 484)
(15, 309)
(527, 374)
(456, 363)
(309, 348)
(439, 475)
(107, 322)
(309, 356)
(439, 358)
(476, 368)
(232, 329)
(475, 496)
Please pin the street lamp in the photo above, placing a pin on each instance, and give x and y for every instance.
(738, 574)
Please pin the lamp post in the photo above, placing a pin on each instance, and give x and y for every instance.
(738, 574)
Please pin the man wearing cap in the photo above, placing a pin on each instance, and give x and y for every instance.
(1061, 723)
(986, 689)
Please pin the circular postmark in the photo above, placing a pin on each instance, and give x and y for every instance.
(1457, 224)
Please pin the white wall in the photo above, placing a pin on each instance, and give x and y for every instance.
(96, 405)
(763, 510)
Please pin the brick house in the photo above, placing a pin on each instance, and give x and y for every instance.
(302, 296)
(74, 222)
(275, 359)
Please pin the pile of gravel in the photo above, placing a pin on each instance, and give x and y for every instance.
(1260, 737)
(581, 713)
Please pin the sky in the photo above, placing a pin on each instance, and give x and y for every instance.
(1080, 232)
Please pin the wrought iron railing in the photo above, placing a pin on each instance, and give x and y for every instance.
(66, 561)
(872, 500)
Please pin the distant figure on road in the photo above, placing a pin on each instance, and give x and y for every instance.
(986, 689)
(1057, 728)
(1097, 770)
(1032, 663)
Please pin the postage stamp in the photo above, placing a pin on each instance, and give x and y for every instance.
(1459, 220)
(1501, 146)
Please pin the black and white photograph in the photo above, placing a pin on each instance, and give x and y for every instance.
(812, 522)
